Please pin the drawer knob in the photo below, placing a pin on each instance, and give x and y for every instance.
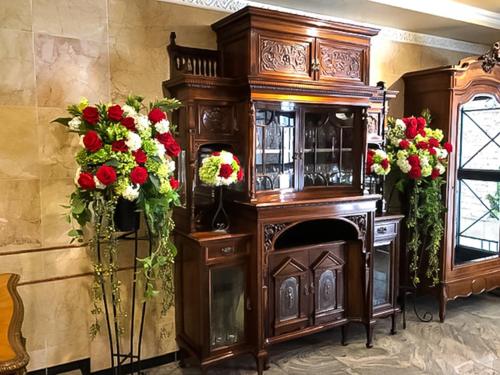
(227, 250)
(381, 230)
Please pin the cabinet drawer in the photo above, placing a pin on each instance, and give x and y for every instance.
(226, 250)
(383, 230)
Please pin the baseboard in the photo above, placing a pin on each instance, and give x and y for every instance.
(84, 366)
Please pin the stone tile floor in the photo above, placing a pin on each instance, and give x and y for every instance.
(468, 343)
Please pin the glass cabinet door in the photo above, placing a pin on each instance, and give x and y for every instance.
(227, 306)
(275, 147)
(329, 157)
(381, 274)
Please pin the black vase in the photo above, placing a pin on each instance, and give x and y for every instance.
(127, 218)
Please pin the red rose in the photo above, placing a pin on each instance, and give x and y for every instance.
(156, 115)
(115, 113)
(174, 183)
(140, 156)
(448, 147)
(139, 175)
(240, 175)
(433, 142)
(406, 120)
(422, 132)
(414, 161)
(435, 173)
(91, 141)
(86, 181)
(404, 144)
(236, 159)
(422, 145)
(91, 115)
(171, 145)
(432, 151)
(106, 174)
(119, 146)
(225, 170)
(384, 163)
(128, 122)
(411, 131)
(415, 173)
(215, 153)
(421, 123)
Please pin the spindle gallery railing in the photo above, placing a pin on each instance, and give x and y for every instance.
(196, 61)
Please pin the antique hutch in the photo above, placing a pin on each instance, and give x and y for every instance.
(464, 101)
(289, 96)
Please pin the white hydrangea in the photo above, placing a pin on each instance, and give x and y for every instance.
(400, 125)
(381, 153)
(162, 126)
(426, 171)
(160, 149)
(440, 167)
(142, 122)
(133, 141)
(129, 110)
(227, 157)
(402, 154)
(99, 184)
(171, 166)
(378, 169)
(404, 165)
(441, 153)
(395, 141)
(424, 161)
(75, 123)
(131, 192)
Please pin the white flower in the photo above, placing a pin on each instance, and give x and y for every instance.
(75, 123)
(171, 166)
(400, 124)
(402, 154)
(227, 157)
(378, 169)
(441, 153)
(131, 192)
(163, 126)
(395, 141)
(142, 122)
(133, 141)
(99, 184)
(381, 153)
(160, 149)
(129, 110)
(404, 165)
(440, 167)
(426, 171)
(424, 161)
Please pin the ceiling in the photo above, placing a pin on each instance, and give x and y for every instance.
(476, 21)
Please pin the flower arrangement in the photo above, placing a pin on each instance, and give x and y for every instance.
(378, 162)
(127, 155)
(221, 168)
(421, 157)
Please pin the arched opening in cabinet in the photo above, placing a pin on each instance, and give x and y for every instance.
(314, 232)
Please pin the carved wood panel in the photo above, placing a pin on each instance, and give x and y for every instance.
(290, 57)
(216, 120)
(340, 63)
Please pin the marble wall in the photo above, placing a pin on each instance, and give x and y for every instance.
(53, 52)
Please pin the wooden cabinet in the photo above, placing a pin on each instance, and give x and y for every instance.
(464, 101)
(289, 96)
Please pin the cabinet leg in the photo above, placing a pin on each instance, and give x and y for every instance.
(369, 335)
(262, 360)
(182, 358)
(393, 324)
(343, 335)
(442, 304)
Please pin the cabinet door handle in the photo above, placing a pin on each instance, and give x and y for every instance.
(381, 230)
(311, 288)
(227, 250)
(306, 290)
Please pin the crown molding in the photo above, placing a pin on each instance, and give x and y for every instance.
(388, 33)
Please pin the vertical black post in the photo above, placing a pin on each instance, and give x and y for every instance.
(134, 287)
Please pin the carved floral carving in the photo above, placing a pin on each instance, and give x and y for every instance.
(336, 62)
(283, 56)
(270, 231)
(360, 221)
(217, 119)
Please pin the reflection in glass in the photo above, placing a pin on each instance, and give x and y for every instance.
(227, 313)
(275, 148)
(478, 181)
(328, 153)
(381, 274)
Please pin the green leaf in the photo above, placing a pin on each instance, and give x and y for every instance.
(62, 120)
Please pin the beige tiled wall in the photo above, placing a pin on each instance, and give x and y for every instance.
(52, 53)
